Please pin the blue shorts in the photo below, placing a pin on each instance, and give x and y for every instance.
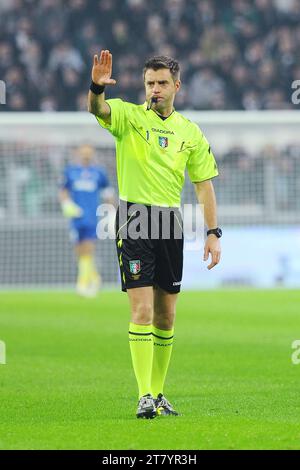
(82, 233)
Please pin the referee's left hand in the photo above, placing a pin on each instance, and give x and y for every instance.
(212, 246)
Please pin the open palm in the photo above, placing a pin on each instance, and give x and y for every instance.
(102, 69)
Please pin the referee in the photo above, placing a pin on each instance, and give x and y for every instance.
(154, 146)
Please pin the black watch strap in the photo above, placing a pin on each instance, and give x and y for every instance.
(215, 231)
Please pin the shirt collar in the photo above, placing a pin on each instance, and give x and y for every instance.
(145, 107)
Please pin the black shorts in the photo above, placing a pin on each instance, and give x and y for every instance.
(149, 243)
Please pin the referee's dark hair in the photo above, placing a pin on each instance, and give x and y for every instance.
(163, 62)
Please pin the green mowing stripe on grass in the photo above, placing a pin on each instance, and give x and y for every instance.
(68, 381)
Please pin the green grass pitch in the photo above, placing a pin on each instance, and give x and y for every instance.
(68, 382)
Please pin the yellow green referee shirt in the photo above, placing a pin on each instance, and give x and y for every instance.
(152, 153)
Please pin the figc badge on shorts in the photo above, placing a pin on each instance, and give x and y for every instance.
(135, 266)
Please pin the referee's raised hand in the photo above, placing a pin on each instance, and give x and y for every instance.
(102, 69)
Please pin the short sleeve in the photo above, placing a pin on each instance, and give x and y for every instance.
(119, 111)
(201, 164)
(103, 181)
(65, 181)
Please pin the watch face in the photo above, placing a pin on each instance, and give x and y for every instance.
(216, 231)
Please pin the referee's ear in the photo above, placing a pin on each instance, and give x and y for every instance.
(177, 85)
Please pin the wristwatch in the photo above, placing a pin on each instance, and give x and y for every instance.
(215, 231)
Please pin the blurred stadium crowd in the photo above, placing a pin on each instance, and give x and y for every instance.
(235, 54)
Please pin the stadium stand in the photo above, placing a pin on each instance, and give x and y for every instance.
(235, 54)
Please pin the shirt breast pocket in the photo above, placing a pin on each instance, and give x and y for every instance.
(181, 156)
(140, 132)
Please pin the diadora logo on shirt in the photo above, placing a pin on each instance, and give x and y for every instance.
(162, 131)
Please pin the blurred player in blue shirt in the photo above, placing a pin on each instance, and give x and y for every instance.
(83, 183)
